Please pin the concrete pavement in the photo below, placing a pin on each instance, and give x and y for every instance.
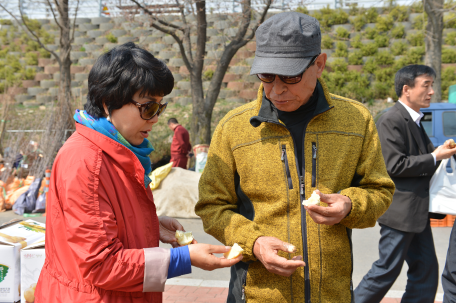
(365, 252)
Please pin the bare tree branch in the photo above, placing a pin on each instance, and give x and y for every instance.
(74, 22)
(186, 32)
(29, 32)
(155, 18)
(187, 62)
(53, 13)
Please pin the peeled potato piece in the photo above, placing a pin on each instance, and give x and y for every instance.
(290, 248)
(234, 252)
(184, 238)
(313, 200)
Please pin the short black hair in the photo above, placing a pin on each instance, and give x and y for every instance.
(172, 120)
(408, 74)
(120, 73)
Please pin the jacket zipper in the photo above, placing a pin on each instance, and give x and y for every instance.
(244, 282)
(314, 164)
(284, 159)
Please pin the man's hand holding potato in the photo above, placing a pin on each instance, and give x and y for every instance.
(338, 208)
(266, 248)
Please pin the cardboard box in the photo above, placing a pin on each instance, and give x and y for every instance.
(12, 240)
(32, 261)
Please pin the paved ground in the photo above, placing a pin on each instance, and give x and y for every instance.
(204, 286)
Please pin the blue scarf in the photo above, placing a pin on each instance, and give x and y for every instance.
(103, 126)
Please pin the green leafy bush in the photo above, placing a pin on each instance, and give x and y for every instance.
(448, 79)
(326, 42)
(398, 32)
(382, 40)
(371, 15)
(417, 7)
(382, 90)
(354, 9)
(302, 10)
(399, 13)
(328, 17)
(339, 65)
(355, 58)
(369, 49)
(385, 23)
(398, 48)
(5, 22)
(384, 58)
(358, 22)
(208, 74)
(413, 56)
(385, 75)
(449, 21)
(44, 53)
(341, 49)
(31, 59)
(355, 42)
(448, 55)
(29, 74)
(450, 38)
(370, 33)
(370, 66)
(32, 46)
(111, 38)
(420, 22)
(342, 33)
(416, 39)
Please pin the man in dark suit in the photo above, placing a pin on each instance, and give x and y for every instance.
(411, 160)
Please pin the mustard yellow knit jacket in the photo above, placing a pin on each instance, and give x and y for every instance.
(342, 154)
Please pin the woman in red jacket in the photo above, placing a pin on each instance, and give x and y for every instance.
(102, 238)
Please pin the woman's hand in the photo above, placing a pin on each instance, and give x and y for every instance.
(168, 227)
(201, 255)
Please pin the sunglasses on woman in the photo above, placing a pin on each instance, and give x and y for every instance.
(269, 78)
(149, 109)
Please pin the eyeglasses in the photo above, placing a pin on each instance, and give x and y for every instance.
(149, 109)
(269, 78)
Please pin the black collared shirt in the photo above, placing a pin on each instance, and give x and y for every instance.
(296, 122)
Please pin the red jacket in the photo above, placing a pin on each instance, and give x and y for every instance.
(181, 141)
(99, 220)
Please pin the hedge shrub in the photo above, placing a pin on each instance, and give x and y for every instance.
(450, 38)
(355, 58)
(385, 23)
(326, 42)
(398, 48)
(448, 55)
(416, 39)
(341, 49)
(369, 49)
(342, 33)
(398, 32)
(382, 40)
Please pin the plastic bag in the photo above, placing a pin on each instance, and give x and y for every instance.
(159, 174)
(442, 191)
(27, 201)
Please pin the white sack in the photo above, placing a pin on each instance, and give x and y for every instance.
(177, 194)
(442, 191)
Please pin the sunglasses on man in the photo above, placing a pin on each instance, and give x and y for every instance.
(149, 109)
(269, 78)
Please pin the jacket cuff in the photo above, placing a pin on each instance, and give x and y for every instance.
(155, 269)
(248, 255)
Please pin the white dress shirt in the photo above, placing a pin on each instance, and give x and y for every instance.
(416, 117)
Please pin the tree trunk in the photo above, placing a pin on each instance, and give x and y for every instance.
(433, 43)
(199, 119)
(65, 60)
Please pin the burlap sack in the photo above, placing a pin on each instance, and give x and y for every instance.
(177, 194)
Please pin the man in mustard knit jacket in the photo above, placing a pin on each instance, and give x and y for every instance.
(269, 155)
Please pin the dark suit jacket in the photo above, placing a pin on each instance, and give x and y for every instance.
(410, 165)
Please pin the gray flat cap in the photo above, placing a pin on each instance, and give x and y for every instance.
(286, 43)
